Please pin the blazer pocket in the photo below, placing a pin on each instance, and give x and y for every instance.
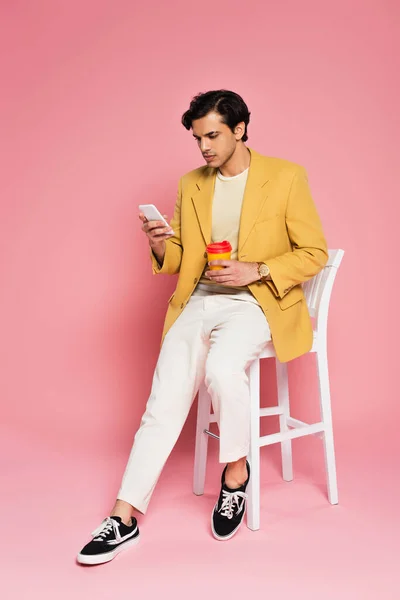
(295, 295)
(266, 219)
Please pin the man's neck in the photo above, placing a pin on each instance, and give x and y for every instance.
(238, 163)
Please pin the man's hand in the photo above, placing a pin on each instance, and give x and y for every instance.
(234, 272)
(157, 232)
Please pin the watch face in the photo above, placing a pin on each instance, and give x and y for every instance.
(264, 270)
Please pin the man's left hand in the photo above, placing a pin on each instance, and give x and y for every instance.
(234, 272)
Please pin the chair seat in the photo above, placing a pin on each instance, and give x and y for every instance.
(269, 350)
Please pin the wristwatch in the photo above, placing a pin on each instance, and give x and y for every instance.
(263, 271)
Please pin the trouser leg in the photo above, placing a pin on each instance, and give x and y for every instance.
(237, 340)
(177, 377)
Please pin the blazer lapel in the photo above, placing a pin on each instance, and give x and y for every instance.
(255, 195)
(202, 201)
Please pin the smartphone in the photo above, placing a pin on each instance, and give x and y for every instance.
(153, 214)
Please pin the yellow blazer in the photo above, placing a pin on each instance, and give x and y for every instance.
(279, 225)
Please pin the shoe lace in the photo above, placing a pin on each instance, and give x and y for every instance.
(231, 501)
(105, 528)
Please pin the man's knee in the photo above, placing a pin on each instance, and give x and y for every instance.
(222, 375)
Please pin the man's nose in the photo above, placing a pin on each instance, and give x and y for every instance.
(204, 145)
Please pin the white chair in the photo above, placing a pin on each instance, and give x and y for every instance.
(318, 293)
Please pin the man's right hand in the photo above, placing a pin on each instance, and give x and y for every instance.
(157, 232)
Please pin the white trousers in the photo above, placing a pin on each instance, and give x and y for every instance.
(215, 338)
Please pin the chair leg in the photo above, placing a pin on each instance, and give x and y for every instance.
(326, 417)
(253, 489)
(283, 401)
(200, 454)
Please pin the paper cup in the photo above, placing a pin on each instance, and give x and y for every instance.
(218, 251)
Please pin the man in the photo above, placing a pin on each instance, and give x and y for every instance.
(219, 321)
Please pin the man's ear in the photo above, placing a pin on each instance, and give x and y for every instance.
(239, 130)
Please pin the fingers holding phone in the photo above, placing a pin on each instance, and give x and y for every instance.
(155, 230)
(155, 226)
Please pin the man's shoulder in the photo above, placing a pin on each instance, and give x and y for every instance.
(277, 164)
(195, 174)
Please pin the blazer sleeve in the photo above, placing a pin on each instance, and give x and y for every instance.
(173, 245)
(310, 251)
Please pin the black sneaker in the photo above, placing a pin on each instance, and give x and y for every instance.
(109, 539)
(230, 509)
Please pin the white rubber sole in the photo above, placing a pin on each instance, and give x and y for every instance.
(98, 559)
(226, 537)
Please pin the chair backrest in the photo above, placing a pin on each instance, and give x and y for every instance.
(318, 290)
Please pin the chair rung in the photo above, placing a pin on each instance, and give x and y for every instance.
(273, 438)
(264, 412)
(290, 422)
(271, 410)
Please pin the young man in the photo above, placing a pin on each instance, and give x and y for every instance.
(219, 321)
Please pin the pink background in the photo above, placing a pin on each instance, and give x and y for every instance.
(92, 95)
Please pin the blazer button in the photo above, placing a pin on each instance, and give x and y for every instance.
(205, 254)
(195, 280)
(182, 305)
